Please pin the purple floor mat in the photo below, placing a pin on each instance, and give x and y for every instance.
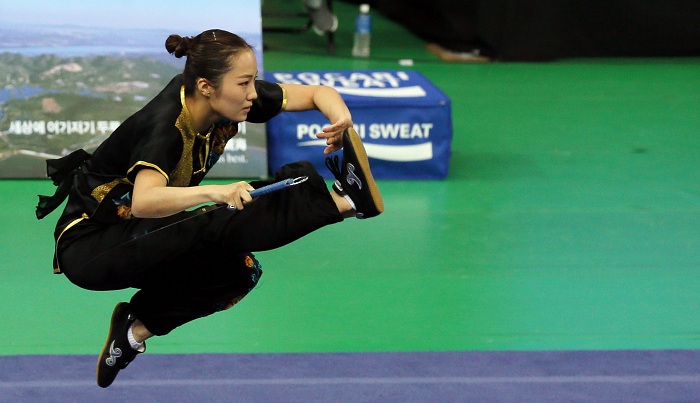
(564, 376)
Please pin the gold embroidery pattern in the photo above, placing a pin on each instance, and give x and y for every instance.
(182, 174)
(57, 268)
(221, 135)
(284, 99)
(149, 165)
(101, 191)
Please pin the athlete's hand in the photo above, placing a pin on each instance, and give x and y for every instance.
(334, 135)
(236, 195)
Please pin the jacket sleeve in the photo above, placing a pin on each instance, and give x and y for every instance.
(271, 100)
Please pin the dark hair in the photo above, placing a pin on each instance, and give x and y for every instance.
(208, 55)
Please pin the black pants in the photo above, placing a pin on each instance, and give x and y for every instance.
(193, 268)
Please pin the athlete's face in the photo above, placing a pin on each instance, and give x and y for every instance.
(234, 97)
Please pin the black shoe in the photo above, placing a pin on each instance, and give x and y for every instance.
(354, 178)
(117, 352)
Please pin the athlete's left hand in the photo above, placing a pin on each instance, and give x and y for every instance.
(334, 135)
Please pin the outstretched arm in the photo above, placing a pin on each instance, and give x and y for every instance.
(327, 101)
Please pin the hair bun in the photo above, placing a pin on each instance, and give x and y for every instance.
(178, 45)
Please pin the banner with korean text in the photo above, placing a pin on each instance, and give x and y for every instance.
(71, 71)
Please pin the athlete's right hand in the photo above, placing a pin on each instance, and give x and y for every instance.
(236, 195)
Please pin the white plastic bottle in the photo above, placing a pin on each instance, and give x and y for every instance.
(363, 32)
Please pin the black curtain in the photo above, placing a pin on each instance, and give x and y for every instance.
(538, 30)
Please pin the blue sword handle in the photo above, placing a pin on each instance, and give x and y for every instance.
(271, 188)
(275, 187)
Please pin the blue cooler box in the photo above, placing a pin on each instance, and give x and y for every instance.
(404, 120)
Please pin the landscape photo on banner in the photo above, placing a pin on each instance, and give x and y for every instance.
(72, 71)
